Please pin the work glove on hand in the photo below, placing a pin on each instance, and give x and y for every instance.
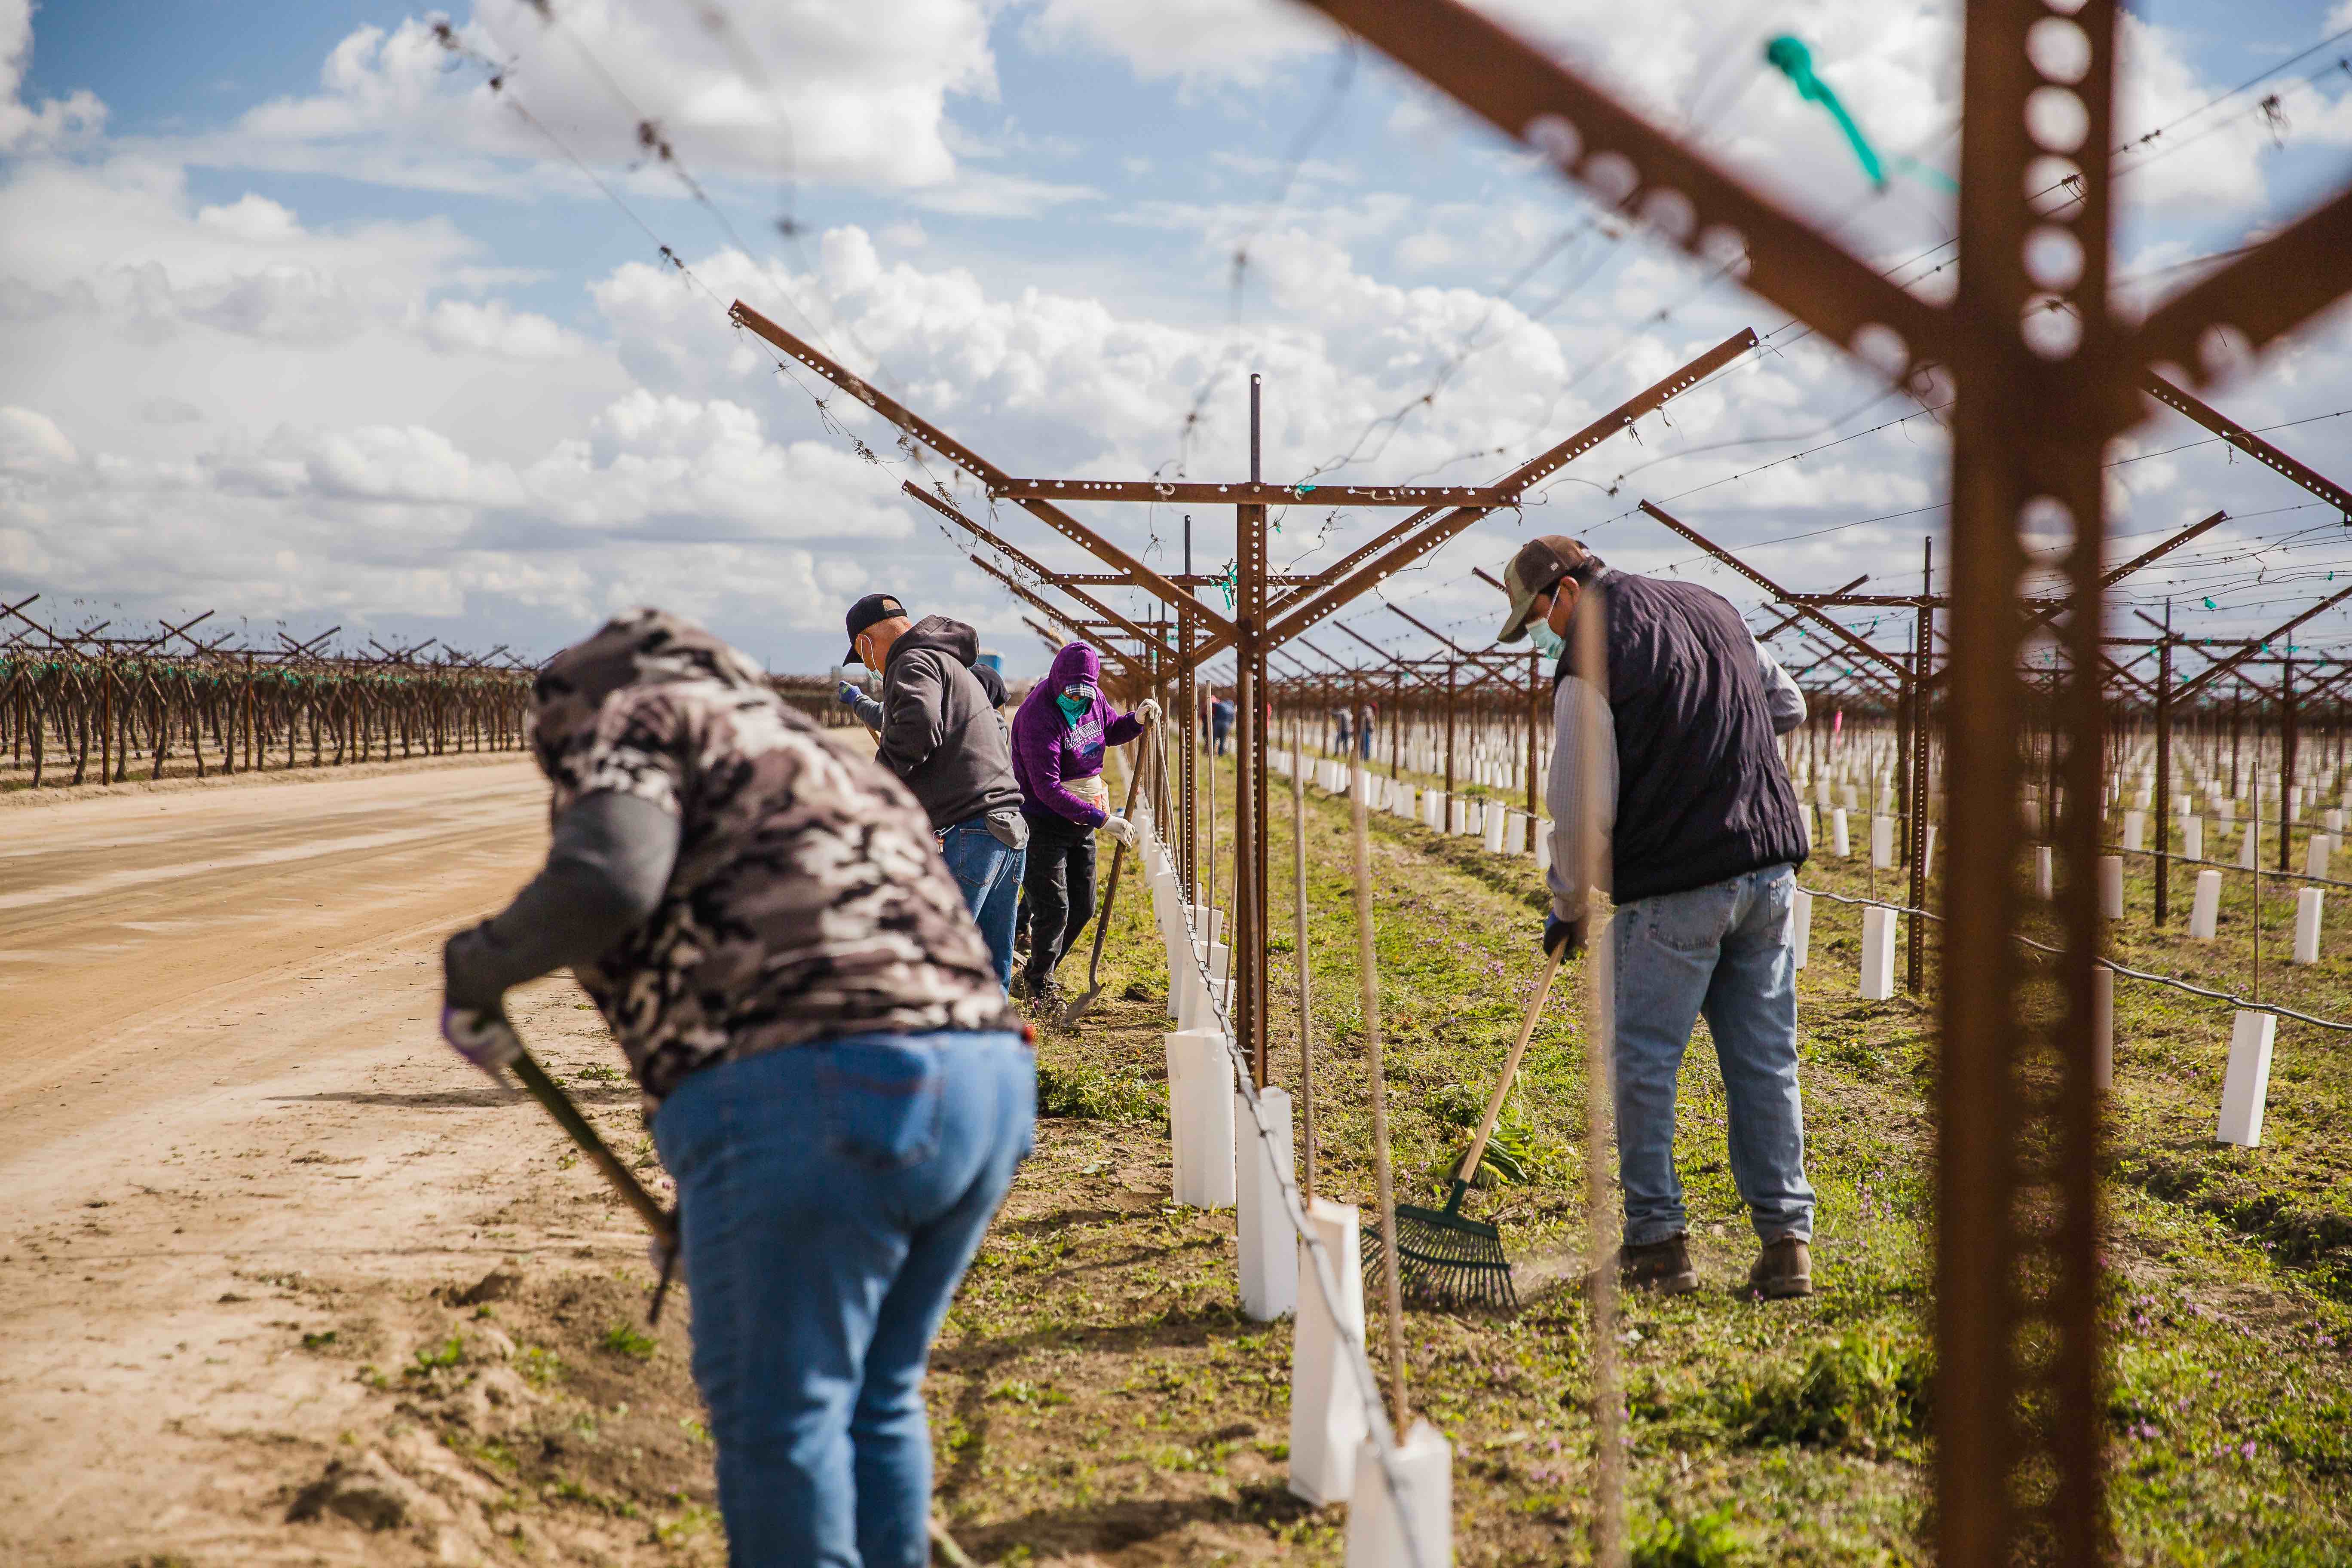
(1120, 828)
(849, 695)
(1565, 938)
(1147, 710)
(485, 1039)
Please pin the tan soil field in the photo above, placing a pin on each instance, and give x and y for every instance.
(230, 1125)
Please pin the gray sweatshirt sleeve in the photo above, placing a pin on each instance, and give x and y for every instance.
(913, 723)
(606, 872)
(1781, 698)
(868, 711)
(1574, 705)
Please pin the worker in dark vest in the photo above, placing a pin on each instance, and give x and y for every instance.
(1703, 837)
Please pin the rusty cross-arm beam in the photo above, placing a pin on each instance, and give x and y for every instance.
(1023, 560)
(1793, 616)
(1053, 644)
(2116, 574)
(997, 480)
(306, 647)
(1482, 656)
(1369, 564)
(1401, 664)
(2297, 273)
(2255, 645)
(1077, 629)
(1892, 687)
(1633, 166)
(1850, 638)
(2246, 441)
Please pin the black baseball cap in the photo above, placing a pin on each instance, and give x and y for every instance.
(868, 610)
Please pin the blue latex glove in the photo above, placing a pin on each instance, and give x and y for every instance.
(1565, 938)
(849, 695)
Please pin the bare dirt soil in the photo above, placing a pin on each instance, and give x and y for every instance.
(251, 1201)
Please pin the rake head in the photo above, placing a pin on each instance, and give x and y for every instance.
(1445, 1260)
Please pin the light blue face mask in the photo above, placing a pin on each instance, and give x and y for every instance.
(1074, 708)
(1548, 643)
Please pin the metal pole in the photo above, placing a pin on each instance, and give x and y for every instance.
(2164, 769)
(1188, 691)
(1922, 652)
(2286, 752)
(1298, 954)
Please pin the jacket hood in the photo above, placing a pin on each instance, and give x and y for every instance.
(643, 646)
(1077, 662)
(991, 683)
(940, 635)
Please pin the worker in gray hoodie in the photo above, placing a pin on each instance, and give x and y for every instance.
(939, 731)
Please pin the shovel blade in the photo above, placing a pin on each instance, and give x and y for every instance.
(1078, 1009)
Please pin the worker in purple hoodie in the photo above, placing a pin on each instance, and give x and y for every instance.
(1058, 736)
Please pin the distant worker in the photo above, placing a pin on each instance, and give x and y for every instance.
(1059, 734)
(1221, 713)
(1704, 836)
(839, 1090)
(939, 731)
(1344, 733)
(1364, 731)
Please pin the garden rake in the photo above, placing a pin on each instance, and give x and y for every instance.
(1449, 1261)
(1078, 1009)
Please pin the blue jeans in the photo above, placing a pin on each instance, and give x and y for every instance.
(990, 875)
(1721, 949)
(830, 1196)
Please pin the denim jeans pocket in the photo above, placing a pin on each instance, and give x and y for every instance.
(971, 853)
(882, 1101)
(1688, 922)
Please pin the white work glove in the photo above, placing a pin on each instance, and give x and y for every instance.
(1149, 711)
(485, 1039)
(1120, 828)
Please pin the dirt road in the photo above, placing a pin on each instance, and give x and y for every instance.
(242, 1179)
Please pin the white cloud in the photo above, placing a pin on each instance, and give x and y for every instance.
(856, 95)
(462, 326)
(31, 441)
(24, 129)
(1235, 40)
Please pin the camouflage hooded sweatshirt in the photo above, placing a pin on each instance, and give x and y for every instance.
(808, 900)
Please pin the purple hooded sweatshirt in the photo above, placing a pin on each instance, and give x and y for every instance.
(1047, 748)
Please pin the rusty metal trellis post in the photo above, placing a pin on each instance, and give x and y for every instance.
(1922, 756)
(2045, 373)
(2164, 770)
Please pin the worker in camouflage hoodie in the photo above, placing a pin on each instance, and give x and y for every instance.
(832, 1075)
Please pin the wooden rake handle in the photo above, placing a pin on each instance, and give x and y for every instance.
(1469, 1171)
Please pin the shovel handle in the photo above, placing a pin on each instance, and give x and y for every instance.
(1110, 892)
(544, 1089)
(1510, 1070)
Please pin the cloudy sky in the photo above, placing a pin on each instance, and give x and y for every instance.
(330, 313)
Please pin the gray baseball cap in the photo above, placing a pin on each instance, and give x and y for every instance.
(1541, 563)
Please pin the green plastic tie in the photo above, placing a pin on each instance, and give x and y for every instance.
(1789, 56)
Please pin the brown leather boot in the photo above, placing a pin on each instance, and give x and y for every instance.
(1663, 1266)
(1784, 1268)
